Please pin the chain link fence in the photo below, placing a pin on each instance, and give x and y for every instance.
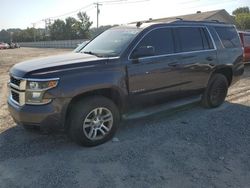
(54, 44)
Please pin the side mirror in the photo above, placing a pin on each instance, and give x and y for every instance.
(143, 51)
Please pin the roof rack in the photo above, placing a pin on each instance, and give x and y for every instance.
(178, 20)
(205, 21)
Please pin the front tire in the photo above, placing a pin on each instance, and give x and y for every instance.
(216, 91)
(93, 121)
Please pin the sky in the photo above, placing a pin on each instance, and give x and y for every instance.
(22, 13)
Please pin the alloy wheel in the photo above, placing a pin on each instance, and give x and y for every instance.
(98, 123)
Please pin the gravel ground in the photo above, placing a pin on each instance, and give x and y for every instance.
(193, 147)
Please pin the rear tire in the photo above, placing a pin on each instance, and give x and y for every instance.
(216, 91)
(93, 121)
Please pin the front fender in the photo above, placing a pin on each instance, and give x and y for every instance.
(74, 83)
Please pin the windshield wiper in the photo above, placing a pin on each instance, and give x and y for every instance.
(92, 53)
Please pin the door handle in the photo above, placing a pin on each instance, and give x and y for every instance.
(209, 58)
(173, 64)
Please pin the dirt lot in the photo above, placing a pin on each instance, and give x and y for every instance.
(194, 147)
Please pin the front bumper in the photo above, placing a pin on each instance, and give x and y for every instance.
(49, 115)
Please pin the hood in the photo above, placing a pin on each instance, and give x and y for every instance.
(54, 63)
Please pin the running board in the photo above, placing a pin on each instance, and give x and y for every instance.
(162, 107)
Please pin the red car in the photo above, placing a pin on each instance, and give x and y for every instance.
(245, 39)
(3, 45)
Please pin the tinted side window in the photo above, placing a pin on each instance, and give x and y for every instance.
(228, 36)
(247, 40)
(206, 39)
(190, 39)
(160, 39)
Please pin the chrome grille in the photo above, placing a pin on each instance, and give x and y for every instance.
(15, 96)
(17, 90)
(15, 81)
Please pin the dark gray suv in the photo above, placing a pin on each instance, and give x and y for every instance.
(128, 67)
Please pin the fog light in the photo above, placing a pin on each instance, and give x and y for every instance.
(36, 95)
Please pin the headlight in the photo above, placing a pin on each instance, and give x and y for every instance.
(41, 85)
(36, 89)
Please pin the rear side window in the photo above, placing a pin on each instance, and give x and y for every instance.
(247, 40)
(206, 39)
(193, 39)
(161, 39)
(228, 36)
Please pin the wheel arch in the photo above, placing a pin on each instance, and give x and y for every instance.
(114, 94)
(227, 71)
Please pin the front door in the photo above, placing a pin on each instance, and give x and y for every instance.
(154, 77)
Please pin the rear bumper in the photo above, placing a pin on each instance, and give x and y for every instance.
(238, 71)
(49, 115)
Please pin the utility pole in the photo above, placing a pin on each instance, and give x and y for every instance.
(34, 31)
(97, 13)
(11, 37)
(47, 22)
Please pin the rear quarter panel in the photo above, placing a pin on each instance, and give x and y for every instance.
(229, 57)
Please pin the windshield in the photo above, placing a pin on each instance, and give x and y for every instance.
(80, 47)
(111, 42)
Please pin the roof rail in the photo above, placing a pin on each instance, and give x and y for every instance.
(138, 24)
(179, 18)
(205, 21)
(217, 21)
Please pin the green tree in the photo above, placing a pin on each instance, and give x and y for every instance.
(241, 10)
(242, 18)
(26, 35)
(71, 28)
(83, 25)
(4, 36)
(243, 21)
(58, 30)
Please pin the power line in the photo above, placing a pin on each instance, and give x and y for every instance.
(128, 2)
(65, 14)
(112, 2)
(68, 13)
(97, 5)
(211, 3)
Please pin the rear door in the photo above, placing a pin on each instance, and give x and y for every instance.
(197, 55)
